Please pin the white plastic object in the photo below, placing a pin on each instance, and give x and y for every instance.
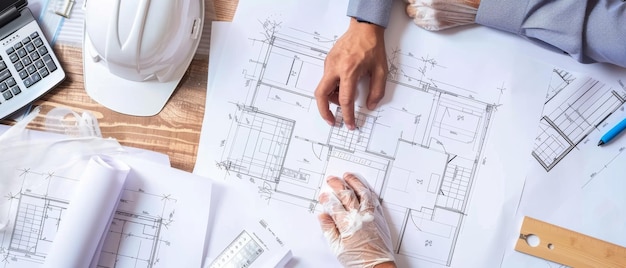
(136, 52)
(72, 123)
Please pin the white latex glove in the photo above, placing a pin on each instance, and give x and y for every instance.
(435, 15)
(354, 224)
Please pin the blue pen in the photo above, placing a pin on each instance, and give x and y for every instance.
(613, 132)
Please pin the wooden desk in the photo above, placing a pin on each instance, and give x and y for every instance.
(175, 131)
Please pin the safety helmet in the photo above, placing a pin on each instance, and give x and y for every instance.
(135, 52)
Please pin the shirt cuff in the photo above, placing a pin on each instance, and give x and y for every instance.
(506, 15)
(374, 11)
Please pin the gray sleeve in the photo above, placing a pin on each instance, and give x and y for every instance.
(374, 11)
(588, 30)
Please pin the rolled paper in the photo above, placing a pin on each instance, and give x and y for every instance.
(88, 215)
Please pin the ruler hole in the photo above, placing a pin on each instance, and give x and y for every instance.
(532, 240)
(550, 246)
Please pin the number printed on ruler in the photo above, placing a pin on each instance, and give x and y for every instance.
(241, 253)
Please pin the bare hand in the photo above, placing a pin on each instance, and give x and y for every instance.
(360, 51)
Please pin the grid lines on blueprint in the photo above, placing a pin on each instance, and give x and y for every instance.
(36, 209)
(273, 142)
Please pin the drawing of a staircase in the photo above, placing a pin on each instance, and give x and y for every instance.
(453, 191)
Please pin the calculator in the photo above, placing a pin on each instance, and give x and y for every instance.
(28, 66)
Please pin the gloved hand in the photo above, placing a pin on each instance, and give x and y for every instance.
(435, 15)
(354, 224)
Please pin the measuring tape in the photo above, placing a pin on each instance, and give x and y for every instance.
(567, 247)
(240, 253)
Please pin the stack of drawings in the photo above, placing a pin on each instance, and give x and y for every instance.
(447, 151)
(89, 202)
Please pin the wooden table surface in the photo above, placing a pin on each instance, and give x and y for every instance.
(175, 131)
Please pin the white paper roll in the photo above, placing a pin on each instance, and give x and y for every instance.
(84, 224)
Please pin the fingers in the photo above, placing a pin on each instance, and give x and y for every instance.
(328, 227)
(442, 14)
(344, 193)
(355, 183)
(323, 94)
(367, 199)
(327, 92)
(351, 193)
(331, 204)
(411, 11)
(347, 90)
(377, 88)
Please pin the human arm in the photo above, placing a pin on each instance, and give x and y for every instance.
(373, 11)
(359, 52)
(354, 224)
(589, 31)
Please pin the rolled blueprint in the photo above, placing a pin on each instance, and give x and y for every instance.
(88, 215)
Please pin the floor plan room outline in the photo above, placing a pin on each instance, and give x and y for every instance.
(36, 211)
(420, 155)
(568, 119)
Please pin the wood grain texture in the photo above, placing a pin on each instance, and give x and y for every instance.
(175, 131)
(225, 9)
(568, 247)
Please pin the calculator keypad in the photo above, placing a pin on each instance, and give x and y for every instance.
(31, 59)
(8, 86)
(28, 66)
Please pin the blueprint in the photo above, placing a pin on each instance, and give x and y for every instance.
(428, 151)
(149, 228)
(570, 116)
(571, 181)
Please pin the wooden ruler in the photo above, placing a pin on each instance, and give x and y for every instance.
(567, 247)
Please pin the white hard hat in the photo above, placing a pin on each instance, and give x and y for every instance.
(136, 51)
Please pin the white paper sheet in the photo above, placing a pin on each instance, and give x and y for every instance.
(441, 149)
(89, 213)
(572, 182)
(234, 212)
(161, 219)
(219, 29)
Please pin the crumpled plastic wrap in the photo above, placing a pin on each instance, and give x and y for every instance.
(21, 147)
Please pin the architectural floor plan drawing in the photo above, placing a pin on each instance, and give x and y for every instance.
(149, 228)
(560, 80)
(136, 238)
(421, 151)
(571, 177)
(447, 149)
(569, 118)
(133, 240)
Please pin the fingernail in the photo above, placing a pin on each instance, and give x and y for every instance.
(350, 126)
(372, 106)
(330, 123)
